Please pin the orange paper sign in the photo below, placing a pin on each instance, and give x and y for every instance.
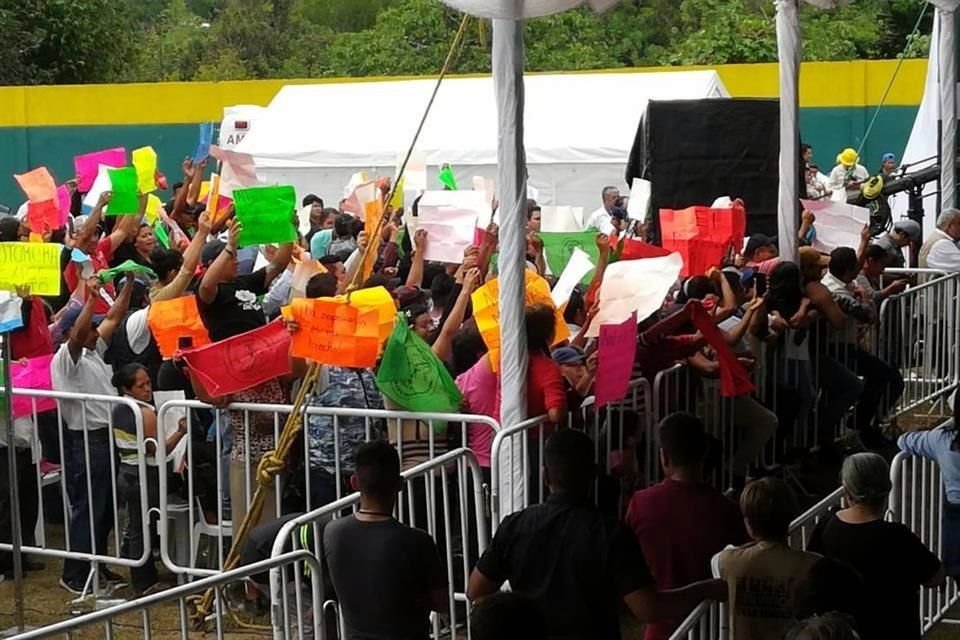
(335, 333)
(38, 184)
(170, 320)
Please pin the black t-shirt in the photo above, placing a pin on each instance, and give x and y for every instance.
(893, 563)
(236, 308)
(127, 251)
(573, 561)
(383, 573)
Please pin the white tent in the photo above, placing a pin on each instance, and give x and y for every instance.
(579, 129)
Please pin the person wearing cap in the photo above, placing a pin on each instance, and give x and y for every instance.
(761, 253)
(888, 165)
(940, 250)
(904, 233)
(79, 367)
(893, 561)
(848, 174)
(579, 373)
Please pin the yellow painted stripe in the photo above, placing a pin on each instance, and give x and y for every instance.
(822, 84)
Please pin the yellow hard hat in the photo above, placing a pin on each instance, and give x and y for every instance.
(848, 157)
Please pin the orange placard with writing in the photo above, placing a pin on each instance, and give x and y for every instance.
(170, 320)
(486, 311)
(335, 333)
(372, 299)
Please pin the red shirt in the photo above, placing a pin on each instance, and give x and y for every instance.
(545, 388)
(680, 526)
(100, 260)
(34, 339)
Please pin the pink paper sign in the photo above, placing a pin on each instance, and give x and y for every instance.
(63, 203)
(34, 375)
(618, 348)
(88, 165)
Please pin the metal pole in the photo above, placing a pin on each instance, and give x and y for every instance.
(12, 478)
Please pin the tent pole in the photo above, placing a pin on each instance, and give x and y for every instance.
(512, 183)
(948, 104)
(788, 52)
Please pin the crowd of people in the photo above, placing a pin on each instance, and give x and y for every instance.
(573, 568)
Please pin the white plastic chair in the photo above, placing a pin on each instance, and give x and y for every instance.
(204, 528)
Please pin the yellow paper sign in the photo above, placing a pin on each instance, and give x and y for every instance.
(373, 299)
(373, 211)
(36, 264)
(486, 311)
(145, 162)
(152, 212)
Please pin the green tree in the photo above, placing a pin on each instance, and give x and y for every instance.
(71, 41)
(172, 46)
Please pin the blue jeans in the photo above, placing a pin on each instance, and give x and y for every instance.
(93, 506)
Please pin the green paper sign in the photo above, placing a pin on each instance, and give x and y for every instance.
(128, 266)
(161, 234)
(559, 246)
(446, 178)
(125, 200)
(266, 214)
(412, 376)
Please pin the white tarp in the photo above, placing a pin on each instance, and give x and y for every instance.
(578, 129)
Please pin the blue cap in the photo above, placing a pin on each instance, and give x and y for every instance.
(889, 156)
(567, 355)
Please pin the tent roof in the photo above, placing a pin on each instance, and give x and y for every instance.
(569, 118)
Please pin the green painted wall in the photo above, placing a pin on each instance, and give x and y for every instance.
(828, 129)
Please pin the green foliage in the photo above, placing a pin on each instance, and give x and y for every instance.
(78, 41)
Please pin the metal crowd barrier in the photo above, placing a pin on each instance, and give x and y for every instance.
(624, 437)
(40, 541)
(917, 501)
(293, 490)
(710, 620)
(147, 605)
(460, 531)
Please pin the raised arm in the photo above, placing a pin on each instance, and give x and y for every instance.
(593, 291)
(126, 226)
(279, 263)
(729, 303)
(118, 311)
(415, 277)
(443, 346)
(89, 229)
(81, 328)
(222, 268)
(195, 182)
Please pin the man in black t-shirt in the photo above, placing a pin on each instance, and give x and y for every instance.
(230, 304)
(387, 576)
(574, 562)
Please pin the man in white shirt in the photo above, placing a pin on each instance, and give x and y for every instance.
(79, 367)
(600, 219)
(848, 174)
(940, 250)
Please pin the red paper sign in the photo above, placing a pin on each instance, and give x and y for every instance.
(702, 235)
(43, 216)
(243, 361)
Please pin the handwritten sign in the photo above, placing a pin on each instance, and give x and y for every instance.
(335, 333)
(170, 320)
(36, 264)
(634, 286)
(38, 184)
(618, 348)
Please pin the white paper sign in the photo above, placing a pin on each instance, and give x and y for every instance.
(639, 204)
(449, 218)
(358, 198)
(560, 218)
(237, 170)
(577, 267)
(100, 184)
(838, 224)
(634, 285)
(171, 423)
